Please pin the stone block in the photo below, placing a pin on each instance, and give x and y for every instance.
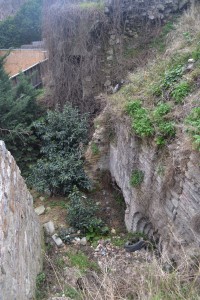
(49, 228)
(57, 240)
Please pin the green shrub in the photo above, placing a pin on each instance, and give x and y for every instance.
(172, 75)
(164, 129)
(81, 214)
(137, 178)
(62, 135)
(161, 110)
(18, 110)
(22, 28)
(180, 91)
(141, 122)
(146, 123)
(193, 122)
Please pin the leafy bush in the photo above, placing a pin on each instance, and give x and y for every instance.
(141, 122)
(169, 78)
(22, 28)
(180, 91)
(193, 122)
(147, 123)
(172, 75)
(81, 214)
(164, 129)
(18, 110)
(137, 178)
(161, 110)
(62, 135)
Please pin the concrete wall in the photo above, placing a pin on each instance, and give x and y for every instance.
(20, 236)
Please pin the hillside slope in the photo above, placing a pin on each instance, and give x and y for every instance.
(154, 141)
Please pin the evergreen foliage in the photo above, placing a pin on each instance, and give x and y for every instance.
(24, 27)
(18, 109)
(81, 214)
(62, 135)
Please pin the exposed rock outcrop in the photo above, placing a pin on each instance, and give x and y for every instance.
(166, 204)
(20, 234)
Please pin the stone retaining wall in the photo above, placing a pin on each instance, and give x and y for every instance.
(20, 235)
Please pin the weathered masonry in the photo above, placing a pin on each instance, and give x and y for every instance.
(20, 235)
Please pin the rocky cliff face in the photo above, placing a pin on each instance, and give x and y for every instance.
(20, 238)
(9, 7)
(166, 204)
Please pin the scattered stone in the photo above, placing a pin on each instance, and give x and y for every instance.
(190, 67)
(113, 231)
(83, 241)
(109, 58)
(48, 208)
(42, 198)
(110, 52)
(49, 228)
(107, 83)
(57, 240)
(76, 241)
(117, 41)
(191, 60)
(40, 210)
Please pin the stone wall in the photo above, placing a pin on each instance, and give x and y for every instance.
(20, 236)
(166, 206)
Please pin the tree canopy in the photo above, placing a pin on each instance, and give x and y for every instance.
(24, 27)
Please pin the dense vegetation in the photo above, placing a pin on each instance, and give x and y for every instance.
(18, 110)
(62, 135)
(24, 27)
(51, 143)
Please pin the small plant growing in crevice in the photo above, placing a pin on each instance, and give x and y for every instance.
(95, 149)
(137, 178)
(193, 122)
(40, 292)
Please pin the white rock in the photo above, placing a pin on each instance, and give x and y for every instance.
(191, 60)
(83, 241)
(49, 228)
(57, 240)
(113, 231)
(42, 198)
(40, 210)
(107, 83)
